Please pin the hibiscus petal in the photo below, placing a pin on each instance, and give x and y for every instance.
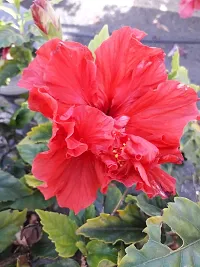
(71, 75)
(161, 183)
(126, 69)
(186, 8)
(92, 127)
(160, 115)
(39, 100)
(33, 74)
(73, 181)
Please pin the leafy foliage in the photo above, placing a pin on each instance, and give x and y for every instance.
(181, 217)
(61, 230)
(10, 222)
(127, 226)
(98, 251)
(11, 188)
(98, 39)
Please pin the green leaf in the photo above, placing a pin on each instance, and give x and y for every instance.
(9, 36)
(113, 196)
(22, 117)
(39, 118)
(41, 133)
(7, 71)
(83, 215)
(178, 73)
(64, 263)
(106, 263)
(28, 149)
(61, 230)
(153, 206)
(44, 248)
(182, 217)
(32, 181)
(98, 39)
(127, 226)
(98, 251)
(11, 188)
(34, 201)
(10, 222)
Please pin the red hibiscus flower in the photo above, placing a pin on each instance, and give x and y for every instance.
(187, 7)
(114, 118)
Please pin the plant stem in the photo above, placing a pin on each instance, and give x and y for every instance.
(120, 201)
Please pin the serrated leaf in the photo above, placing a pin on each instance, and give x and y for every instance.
(11, 188)
(9, 36)
(28, 149)
(98, 251)
(32, 181)
(182, 217)
(21, 117)
(64, 263)
(10, 222)
(44, 248)
(34, 201)
(112, 198)
(41, 133)
(83, 215)
(153, 206)
(127, 226)
(98, 39)
(61, 230)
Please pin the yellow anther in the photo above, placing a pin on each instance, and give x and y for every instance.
(116, 156)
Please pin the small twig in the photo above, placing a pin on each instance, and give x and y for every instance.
(120, 201)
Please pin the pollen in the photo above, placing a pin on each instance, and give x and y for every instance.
(116, 156)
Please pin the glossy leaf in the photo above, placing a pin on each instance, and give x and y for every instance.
(32, 181)
(61, 230)
(98, 251)
(11, 188)
(182, 217)
(21, 117)
(44, 248)
(41, 133)
(9, 36)
(10, 222)
(127, 226)
(112, 198)
(83, 215)
(151, 206)
(34, 201)
(28, 149)
(98, 39)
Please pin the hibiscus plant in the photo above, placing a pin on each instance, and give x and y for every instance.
(101, 163)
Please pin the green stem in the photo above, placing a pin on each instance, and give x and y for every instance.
(120, 201)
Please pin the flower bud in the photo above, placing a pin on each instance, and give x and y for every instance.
(45, 18)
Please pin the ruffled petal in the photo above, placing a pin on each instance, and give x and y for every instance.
(160, 116)
(92, 127)
(33, 74)
(71, 75)
(161, 183)
(39, 100)
(73, 181)
(126, 69)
